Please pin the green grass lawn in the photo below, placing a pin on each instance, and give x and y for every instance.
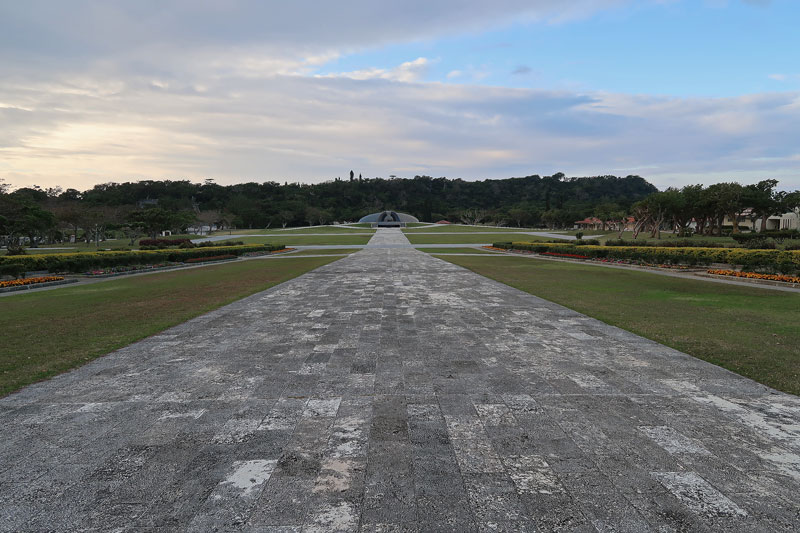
(458, 228)
(360, 225)
(335, 251)
(454, 251)
(49, 332)
(68, 247)
(751, 331)
(466, 238)
(278, 231)
(299, 240)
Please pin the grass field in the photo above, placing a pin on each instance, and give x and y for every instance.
(278, 231)
(466, 238)
(48, 332)
(68, 247)
(335, 251)
(753, 332)
(299, 240)
(458, 228)
(644, 236)
(454, 251)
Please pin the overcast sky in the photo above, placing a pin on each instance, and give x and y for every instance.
(677, 91)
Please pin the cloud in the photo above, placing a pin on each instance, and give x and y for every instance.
(114, 91)
(522, 70)
(407, 72)
(76, 132)
(778, 77)
(87, 28)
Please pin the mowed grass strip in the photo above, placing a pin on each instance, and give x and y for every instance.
(469, 238)
(454, 251)
(341, 239)
(49, 332)
(751, 331)
(459, 228)
(332, 251)
(289, 231)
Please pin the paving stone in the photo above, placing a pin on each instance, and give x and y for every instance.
(392, 391)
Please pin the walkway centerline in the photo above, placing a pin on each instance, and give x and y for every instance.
(391, 390)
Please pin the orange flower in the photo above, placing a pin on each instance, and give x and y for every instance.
(29, 281)
(755, 275)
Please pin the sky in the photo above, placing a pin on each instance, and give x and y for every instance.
(676, 91)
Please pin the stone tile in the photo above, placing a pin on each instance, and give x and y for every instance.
(392, 391)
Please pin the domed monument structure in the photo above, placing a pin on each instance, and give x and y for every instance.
(388, 219)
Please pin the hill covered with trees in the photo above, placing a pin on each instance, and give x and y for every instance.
(518, 201)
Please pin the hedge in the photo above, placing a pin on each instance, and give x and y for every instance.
(159, 243)
(83, 261)
(779, 235)
(785, 261)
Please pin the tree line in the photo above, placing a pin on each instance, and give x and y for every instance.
(135, 209)
(703, 210)
(148, 207)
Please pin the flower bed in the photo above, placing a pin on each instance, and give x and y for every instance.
(755, 275)
(83, 261)
(261, 254)
(29, 281)
(127, 268)
(571, 256)
(212, 258)
(783, 261)
(165, 243)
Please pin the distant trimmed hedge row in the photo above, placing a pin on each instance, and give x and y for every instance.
(83, 261)
(784, 261)
(779, 236)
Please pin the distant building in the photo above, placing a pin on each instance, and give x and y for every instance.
(589, 223)
(388, 219)
(745, 220)
(147, 202)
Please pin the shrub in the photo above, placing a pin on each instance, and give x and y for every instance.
(165, 243)
(83, 261)
(207, 244)
(774, 260)
(211, 258)
(585, 242)
(678, 243)
(579, 235)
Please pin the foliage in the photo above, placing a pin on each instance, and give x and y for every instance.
(756, 275)
(29, 281)
(163, 243)
(211, 258)
(774, 260)
(82, 261)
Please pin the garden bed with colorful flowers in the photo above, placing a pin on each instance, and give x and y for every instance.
(756, 276)
(270, 252)
(604, 260)
(32, 283)
(128, 269)
(195, 260)
(568, 256)
(29, 281)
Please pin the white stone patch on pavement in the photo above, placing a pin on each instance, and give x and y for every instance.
(247, 476)
(673, 441)
(698, 495)
(531, 474)
(322, 408)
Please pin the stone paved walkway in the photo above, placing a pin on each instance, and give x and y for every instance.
(391, 391)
